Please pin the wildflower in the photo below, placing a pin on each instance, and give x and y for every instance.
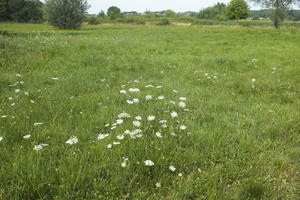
(1, 138)
(10, 98)
(180, 174)
(55, 78)
(109, 146)
(130, 102)
(136, 131)
(106, 125)
(124, 164)
(148, 163)
(119, 121)
(182, 98)
(164, 126)
(160, 97)
(174, 114)
(181, 104)
(254, 60)
(158, 185)
(127, 132)
(72, 140)
(172, 168)
(173, 134)
(135, 100)
(4, 116)
(148, 97)
(123, 92)
(116, 143)
(38, 123)
(134, 90)
(136, 123)
(26, 93)
(124, 115)
(182, 127)
(172, 102)
(163, 121)
(148, 86)
(151, 118)
(17, 90)
(18, 75)
(13, 104)
(253, 80)
(120, 137)
(159, 86)
(39, 147)
(138, 118)
(158, 134)
(102, 136)
(27, 136)
(175, 91)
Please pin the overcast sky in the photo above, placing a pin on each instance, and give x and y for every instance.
(153, 5)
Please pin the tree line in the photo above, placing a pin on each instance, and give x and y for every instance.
(70, 14)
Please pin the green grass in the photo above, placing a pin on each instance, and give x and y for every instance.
(244, 141)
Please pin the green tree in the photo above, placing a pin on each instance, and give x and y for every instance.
(21, 10)
(114, 12)
(278, 8)
(170, 13)
(215, 12)
(101, 14)
(66, 14)
(237, 10)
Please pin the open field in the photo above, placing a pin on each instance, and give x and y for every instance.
(235, 136)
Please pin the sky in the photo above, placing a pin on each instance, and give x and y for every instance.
(154, 5)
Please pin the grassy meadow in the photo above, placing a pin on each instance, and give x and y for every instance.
(149, 112)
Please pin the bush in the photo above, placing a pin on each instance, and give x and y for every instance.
(131, 20)
(66, 14)
(93, 21)
(164, 22)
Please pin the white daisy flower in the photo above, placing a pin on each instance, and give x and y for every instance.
(159, 86)
(55, 78)
(163, 121)
(109, 146)
(1, 138)
(182, 98)
(151, 118)
(175, 91)
(116, 143)
(158, 134)
(18, 75)
(123, 92)
(136, 123)
(160, 97)
(72, 140)
(136, 131)
(4, 116)
(133, 90)
(38, 123)
(135, 100)
(27, 136)
(39, 147)
(182, 127)
(124, 115)
(149, 86)
(129, 102)
(173, 134)
(172, 168)
(17, 90)
(253, 80)
(148, 97)
(119, 121)
(102, 136)
(180, 174)
(148, 163)
(172, 102)
(139, 118)
(158, 185)
(164, 126)
(120, 137)
(124, 164)
(127, 132)
(26, 93)
(181, 104)
(174, 114)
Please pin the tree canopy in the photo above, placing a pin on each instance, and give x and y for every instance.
(114, 12)
(237, 10)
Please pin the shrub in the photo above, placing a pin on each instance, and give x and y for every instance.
(164, 22)
(66, 14)
(93, 21)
